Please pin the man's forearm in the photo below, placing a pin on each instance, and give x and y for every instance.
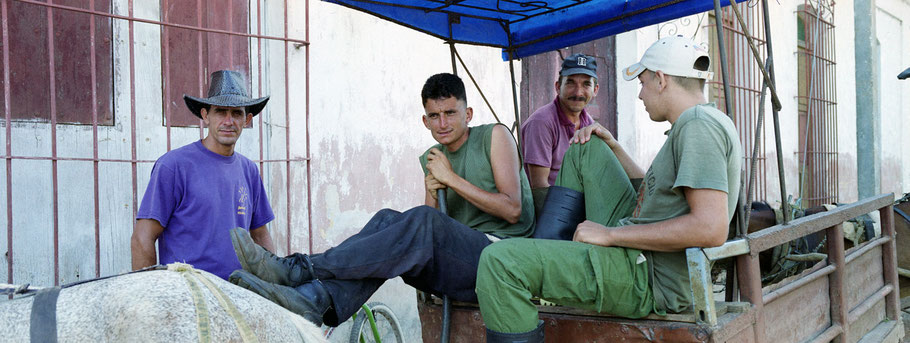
(628, 164)
(497, 204)
(143, 254)
(261, 236)
(670, 235)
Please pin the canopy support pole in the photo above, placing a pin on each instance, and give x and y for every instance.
(785, 206)
(517, 124)
(719, 26)
(718, 20)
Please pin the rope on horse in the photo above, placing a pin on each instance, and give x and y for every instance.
(193, 277)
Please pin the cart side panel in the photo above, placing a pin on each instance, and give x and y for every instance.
(803, 313)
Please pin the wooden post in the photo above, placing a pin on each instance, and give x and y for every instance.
(836, 289)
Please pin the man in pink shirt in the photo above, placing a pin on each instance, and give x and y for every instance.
(546, 133)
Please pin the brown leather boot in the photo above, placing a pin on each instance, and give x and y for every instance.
(293, 270)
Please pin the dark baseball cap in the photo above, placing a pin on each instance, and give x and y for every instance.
(579, 64)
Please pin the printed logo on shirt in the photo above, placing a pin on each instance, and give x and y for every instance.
(647, 185)
(243, 200)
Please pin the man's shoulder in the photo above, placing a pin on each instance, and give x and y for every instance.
(705, 115)
(179, 155)
(544, 113)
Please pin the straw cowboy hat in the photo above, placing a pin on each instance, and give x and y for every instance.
(227, 89)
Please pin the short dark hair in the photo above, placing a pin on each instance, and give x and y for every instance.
(441, 86)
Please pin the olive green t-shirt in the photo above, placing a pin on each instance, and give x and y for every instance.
(472, 162)
(702, 151)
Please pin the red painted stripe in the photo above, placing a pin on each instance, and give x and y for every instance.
(7, 112)
(53, 99)
(93, 63)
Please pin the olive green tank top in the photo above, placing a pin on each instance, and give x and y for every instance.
(472, 162)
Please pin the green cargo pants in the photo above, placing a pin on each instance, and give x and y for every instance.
(604, 279)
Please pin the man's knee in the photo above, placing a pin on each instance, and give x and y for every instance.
(496, 257)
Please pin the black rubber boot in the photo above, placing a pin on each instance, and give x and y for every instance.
(293, 270)
(563, 210)
(533, 336)
(310, 300)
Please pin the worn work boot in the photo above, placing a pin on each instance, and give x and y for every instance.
(533, 336)
(292, 271)
(310, 300)
(563, 210)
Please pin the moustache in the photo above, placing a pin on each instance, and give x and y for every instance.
(578, 98)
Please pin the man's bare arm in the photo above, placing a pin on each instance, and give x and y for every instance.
(142, 243)
(705, 226)
(583, 135)
(539, 176)
(261, 236)
(504, 160)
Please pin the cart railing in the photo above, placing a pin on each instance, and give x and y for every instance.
(746, 251)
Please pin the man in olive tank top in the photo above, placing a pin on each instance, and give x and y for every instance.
(488, 197)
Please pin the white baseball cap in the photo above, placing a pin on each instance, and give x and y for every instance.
(674, 55)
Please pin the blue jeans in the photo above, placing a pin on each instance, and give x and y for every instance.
(429, 250)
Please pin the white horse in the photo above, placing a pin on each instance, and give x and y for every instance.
(176, 305)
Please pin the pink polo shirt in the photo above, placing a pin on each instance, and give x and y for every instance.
(545, 137)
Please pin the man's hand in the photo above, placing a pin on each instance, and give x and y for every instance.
(432, 185)
(439, 167)
(583, 135)
(592, 233)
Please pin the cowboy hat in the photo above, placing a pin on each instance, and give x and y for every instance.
(227, 89)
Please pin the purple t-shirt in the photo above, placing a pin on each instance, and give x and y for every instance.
(198, 196)
(545, 137)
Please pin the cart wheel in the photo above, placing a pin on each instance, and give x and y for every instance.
(386, 324)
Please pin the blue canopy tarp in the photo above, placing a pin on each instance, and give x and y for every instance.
(527, 27)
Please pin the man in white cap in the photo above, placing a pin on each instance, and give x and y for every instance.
(627, 258)
(199, 192)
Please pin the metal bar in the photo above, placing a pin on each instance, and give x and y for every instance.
(889, 262)
(53, 100)
(200, 64)
(259, 83)
(133, 164)
(517, 124)
(775, 102)
(7, 114)
(792, 286)
(725, 76)
(93, 63)
(309, 193)
(836, 290)
(165, 55)
(869, 302)
(162, 23)
(702, 291)
(785, 206)
(866, 247)
(781, 233)
(287, 135)
(473, 80)
(750, 290)
(828, 335)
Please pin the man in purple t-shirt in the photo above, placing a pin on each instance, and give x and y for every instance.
(199, 192)
(545, 135)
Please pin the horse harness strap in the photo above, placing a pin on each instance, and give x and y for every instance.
(902, 214)
(43, 326)
(203, 323)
